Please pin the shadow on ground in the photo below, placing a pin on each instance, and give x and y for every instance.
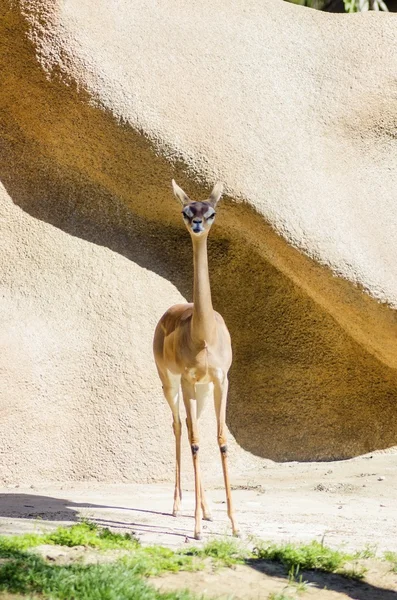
(46, 508)
(356, 590)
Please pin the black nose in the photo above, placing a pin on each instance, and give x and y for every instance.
(197, 226)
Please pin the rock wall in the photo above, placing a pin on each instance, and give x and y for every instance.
(101, 104)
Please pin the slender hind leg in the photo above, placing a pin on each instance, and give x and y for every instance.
(203, 392)
(178, 491)
(220, 398)
(171, 393)
(204, 506)
(191, 421)
(206, 511)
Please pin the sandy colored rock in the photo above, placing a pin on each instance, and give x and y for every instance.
(100, 107)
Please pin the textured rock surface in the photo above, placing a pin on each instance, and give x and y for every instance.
(101, 104)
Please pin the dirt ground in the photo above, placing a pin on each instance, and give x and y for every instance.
(347, 503)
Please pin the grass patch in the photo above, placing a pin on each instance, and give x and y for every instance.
(30, 574)
(316, 556)
(155, 560)
(302, 557)
(356, 572)
(296, 581)
(369, 551)
(89, 534)
(144, 561)
(279, 596)
(223, 552)
(392, 558)
(81, 534)
(24, 572)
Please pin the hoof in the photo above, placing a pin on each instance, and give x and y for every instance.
(208, 518)
(236, 533)
(197, 536)
(175, 513)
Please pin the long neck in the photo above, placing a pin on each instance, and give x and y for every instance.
(203, 322)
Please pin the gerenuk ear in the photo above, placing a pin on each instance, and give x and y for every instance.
(180, 194)
(216, 194)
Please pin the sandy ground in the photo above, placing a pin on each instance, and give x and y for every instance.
(350, 503)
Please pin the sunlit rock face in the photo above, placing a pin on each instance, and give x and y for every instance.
(101, 104)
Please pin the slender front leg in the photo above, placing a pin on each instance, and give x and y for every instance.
(202, 393)
(191, 422)
(220, 399)
(178, 491)
(171, 393)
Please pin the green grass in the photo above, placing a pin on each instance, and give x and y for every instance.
(279, 596)
(26, 573)
(296, 581)
(81, 534)
(29, 574)
(223, 552)
(369, 551)
(303, 556)
(316, 556)
(392, 558)
(154, 560)
(356, 572)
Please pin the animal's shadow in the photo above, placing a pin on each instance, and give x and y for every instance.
(57, 510)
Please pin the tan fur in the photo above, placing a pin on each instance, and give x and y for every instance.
(192, 349)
